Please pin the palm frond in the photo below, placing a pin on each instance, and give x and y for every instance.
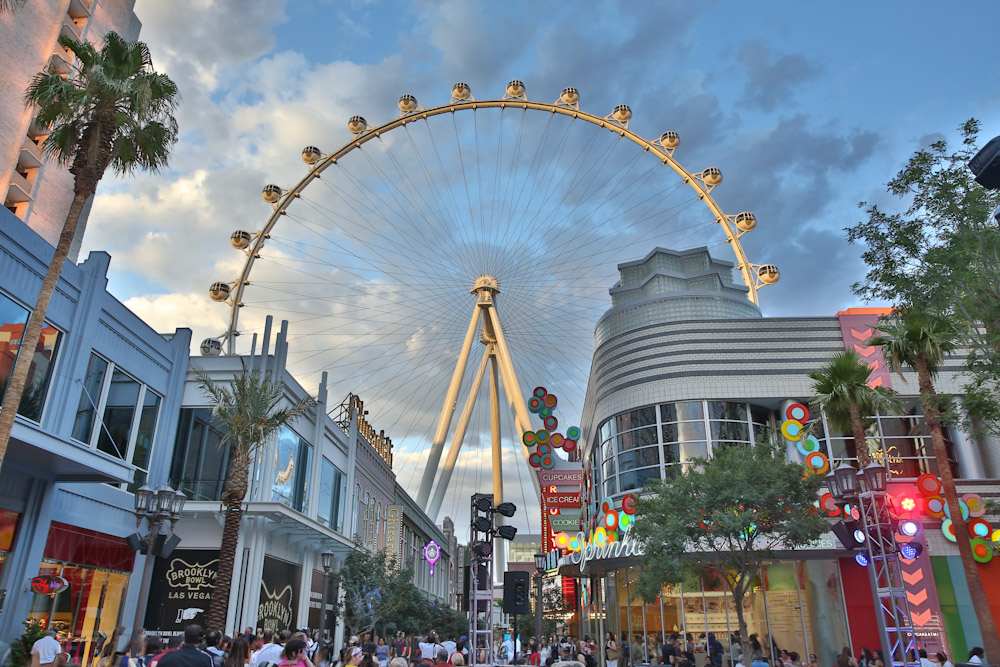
(842, 383)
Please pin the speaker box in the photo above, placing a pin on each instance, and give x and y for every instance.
(516, 597)
(986, 165)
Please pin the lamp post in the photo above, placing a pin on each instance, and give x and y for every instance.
(327, 559)
(867, 489)
(156, 507)
(539, 569)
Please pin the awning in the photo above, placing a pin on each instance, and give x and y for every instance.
(60, 459)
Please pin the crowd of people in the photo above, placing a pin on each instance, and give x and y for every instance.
(195, 648)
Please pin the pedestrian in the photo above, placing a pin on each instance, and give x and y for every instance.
(812, 660)
(188, 655)
(399, 662)
(46, 650)
(213, 647)
(976, 654)
(942, 660)
(457, 660)
(611, 652)
(758, 662)
(879, 660)
(382, 653)
(294, 654)
(173, 644)
(239, 653)
(400, 647)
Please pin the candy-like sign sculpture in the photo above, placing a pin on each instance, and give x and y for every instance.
(543, 404)
(796, 416)
(48, 585)
(432, 552)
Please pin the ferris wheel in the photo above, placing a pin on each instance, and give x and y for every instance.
(510, 210)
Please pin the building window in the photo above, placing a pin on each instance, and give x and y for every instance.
(332, 490)
(201, 458)
(293, 464)
(13, 320)
(128, 412)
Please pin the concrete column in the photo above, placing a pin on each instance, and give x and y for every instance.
(318, 443)
(26, 557)
(989, 449)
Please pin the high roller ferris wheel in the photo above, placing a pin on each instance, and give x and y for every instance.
(527, 205)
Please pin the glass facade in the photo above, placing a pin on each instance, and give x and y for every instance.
(201, 459)
(129, 411)
(332, 492)
(13, 319)
(292, 465)
(792, 606)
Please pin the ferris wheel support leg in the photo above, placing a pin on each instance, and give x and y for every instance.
(501, 553)
(447, 411)
(511, 385)
(456, 441)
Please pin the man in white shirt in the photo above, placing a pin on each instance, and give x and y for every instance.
(46, 650)
(924, 661)
(270, 652)
(449, 645)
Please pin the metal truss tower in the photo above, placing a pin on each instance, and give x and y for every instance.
(480, 593)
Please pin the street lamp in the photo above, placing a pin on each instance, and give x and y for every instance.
(539, 569)
(156, 507)
(327, 560)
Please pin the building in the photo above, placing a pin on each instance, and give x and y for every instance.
(433, 567)
(96, 422)
(37, 190)
(685, 362)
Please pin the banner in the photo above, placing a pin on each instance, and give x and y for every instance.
(394, 533)
(573, 478)
(181, 590)
(565, 523)
(561, 499)
(278, 599)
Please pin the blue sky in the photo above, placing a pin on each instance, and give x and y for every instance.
(808, 108)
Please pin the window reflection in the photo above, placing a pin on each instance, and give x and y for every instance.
(201, 461)
(123, 396)
(13, 319)
(292, 466)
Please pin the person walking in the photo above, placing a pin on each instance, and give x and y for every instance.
(239, 654)
(46, 650)
(188, 655)
(382, 653)
(611, 652)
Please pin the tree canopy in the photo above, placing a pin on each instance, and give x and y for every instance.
(726, 514)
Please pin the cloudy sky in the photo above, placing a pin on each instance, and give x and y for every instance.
(807, 108)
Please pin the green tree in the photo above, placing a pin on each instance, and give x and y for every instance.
(20, 648)
(913, 339)
(114, 111)
(941, 253)
(843, 393)
(375, 591)
(246, 410)
(726, 514)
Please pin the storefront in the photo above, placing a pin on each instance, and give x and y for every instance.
(87, 612)
(181, 590)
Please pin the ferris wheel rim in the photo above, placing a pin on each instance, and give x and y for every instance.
(694, 179)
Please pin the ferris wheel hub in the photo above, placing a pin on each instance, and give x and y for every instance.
(485, 284)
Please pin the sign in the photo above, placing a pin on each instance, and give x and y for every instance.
(560, 477)
(561, 499)
(432, 552)
(394, 534)
(565, 522)
(181, 590)
(316, 599)
(48, 585)
(278, 600)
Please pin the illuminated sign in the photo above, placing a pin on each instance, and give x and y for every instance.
(562, 500)
(560, 477)
(432, 552)
(48, 585)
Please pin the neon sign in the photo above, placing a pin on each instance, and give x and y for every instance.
(432, 552)
(48, 585)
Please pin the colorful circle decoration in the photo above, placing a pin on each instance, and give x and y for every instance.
(550, 423)
(545, 411)
(528, 438)
(569, 445)
(996, 536)
(574, 544)
(550, 401)
(562, 540)
(612, 536)
(573, 433)
(792, 430)
(828, 504)
(929, 485)
(624, 521)
(534, 404)
(974, 502)
(982, 552)
(600, 536)
(544, 449)
(980, 528)
(628, 503)
(798, 412)
(556, 439)
(607, 505)
(548, 463)
(611, 520)
(542, 436)
(535, 460)
(948, 529)
(962, 506)
(539, 392)
(934, 505)
(818, 463)
(808, 445)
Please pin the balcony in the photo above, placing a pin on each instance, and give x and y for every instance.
(19, 191)
(31, 156)
(61, 62)
(79, 9)
(70, 28)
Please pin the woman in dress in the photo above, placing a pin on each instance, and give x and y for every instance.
(611, 652)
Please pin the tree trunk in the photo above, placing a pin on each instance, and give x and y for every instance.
(219, 607)
(860, 441)
(33, 329)
(987, 628)
(739, 592)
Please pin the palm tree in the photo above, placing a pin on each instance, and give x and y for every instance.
(913, 339)
(114, 111)
(843, 393)
(247, 411)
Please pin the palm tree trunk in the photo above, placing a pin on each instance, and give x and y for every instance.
(29, 339)
(987, 628)
(219, 607)
(860, 441)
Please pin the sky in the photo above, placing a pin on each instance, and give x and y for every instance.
(807, 108)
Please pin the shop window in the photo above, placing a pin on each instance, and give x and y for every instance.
(128, 412)
(722, 430)
(683, 411)
(728, 411)
(683, 431)
(683, 452)
(293, 464)
(332, 490)
(639, 458)
(635, 419)
(610, 487)
(201, 458)
(760, 416)
(642, 437)
(13, 320)
(606, 430)
(607, 449)
(609, 468)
